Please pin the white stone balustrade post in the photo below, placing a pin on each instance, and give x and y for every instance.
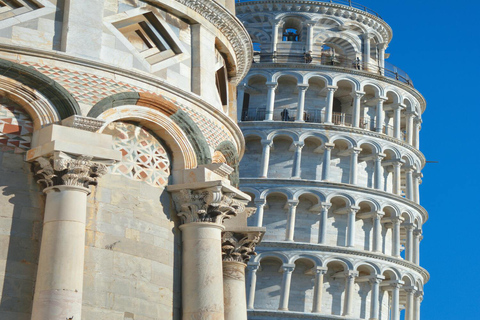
(354, 165)
(396, 221)
(417, 181)
(327, 155)
(286, 281)
(410, 302)
(297, 160)
(237, 247)
(318, 289)
(310, 26)
(375, 296)
(380, 115)
(260, 204)
(357, 102)
(409, 182)
(397, 116)
(397, 177)
(409, 241)
(323, 222)
(292, 209)
(272, 86)
(349, 290)
(252, 283)
(409, 121)
(329, 103)
(267, 145)
(377, 231)
(417, 237)
(378, 170)
(351, 212)
(302, 89)
(418, 302)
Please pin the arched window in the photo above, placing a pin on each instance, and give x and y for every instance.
(290, 34)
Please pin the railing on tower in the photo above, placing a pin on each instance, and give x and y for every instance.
(342, 2)
(389, 70)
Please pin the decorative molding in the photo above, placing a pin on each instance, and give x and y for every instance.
(61, 169)
(239, 246)
(83, 123)
(206, 205)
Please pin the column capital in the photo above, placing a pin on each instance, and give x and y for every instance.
(291, 203)
(357, 94)
(417, 232)
(409, 169)
(409, 289)
(310, 23)
(378, 215)
(396, 220)
(277, 22)
(408, 226)
(329, 146)
(299, 144)
(380, 156)
(302, 86)
(417, 120)
(331, 88)
(267, 143)
(271, 85)
(351, 274)
(419, 294)
(211, 204)
(69, 170)
(287, 268)
(239, 246)
(376, 279)
(355, 150)
(418, 175)
(398, 106)
(367, 36)
(381, 99)
(382, 45)
(326, 206)
(398, 162)
(260, 202)
(321, 270)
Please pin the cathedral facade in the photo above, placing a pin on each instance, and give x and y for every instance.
(332, 164)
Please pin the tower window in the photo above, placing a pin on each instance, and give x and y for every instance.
(290, 34)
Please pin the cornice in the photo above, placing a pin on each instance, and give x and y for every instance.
(146, 78)
(268, 182)
(280, 314)
(312, 125)
(353, 252)
(229, 26)
(305, 66)
(335, 9)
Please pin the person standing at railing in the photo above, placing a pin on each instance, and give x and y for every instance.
(357, 63)
(284, 115)
(308, 57)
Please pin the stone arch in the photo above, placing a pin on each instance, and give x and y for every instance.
(327, 79)
(259, 35)
(228, 150)
(282, 74)
(269, 280)
(365, 85)
(303, 279)
(286, 133)
(354, 82)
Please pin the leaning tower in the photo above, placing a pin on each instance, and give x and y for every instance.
(333, 164)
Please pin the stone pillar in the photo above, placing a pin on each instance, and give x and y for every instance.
(409, 182)
(417, 237)
(310, 26)
(318, 289)
(202, 211)
(354, 165)
(375, 297)
(395, 312)
(397, 116)
(266, 144)
(357, 102)
(327, 154)
(417, 181)
(237, 248)
(378, 170)
(275, 25)
(323, 223)
(59, 284)
(416, 133)
(260, 204)
(270, 100)
(381, 59)
(292, 209)
(252, 284)
(397, 177)
(377, 231)
(380, 115)
(349, 290)
(240, 99)
(409, 121)
(352, 211)
(302, 88)
(418, 302)
(297, 159)
(409, 241)
(286, 281)
(410, 303)
(396, 236)
(366, 50)
(329, 104)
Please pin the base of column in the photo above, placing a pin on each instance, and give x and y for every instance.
(57, 304)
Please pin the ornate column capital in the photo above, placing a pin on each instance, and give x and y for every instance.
(69, 170)
(326, 206)
(351, 275)
(240, 246)
(271, 85)
(267, 143)
(213, 204)
(321, 270)
(299, 144)
(357, 94)
(287, 268)
(291, 203)
(332, 88)
(328, 146)
(417, 232)
(376, 279)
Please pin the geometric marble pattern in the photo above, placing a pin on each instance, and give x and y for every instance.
(16, 128)
(143, 156)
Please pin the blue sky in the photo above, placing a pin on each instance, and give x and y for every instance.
(437, 44)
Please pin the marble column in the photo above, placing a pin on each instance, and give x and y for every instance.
(287, 270)
(417, 123)
(354, 165)
(310, 26)
(329, 104)
(318, 289)
(272, 86)
(357, 102)
(378, 170)
(397, 116)
(366, 50)
(409, 241)
(240, 99)
(275, 25)
(380, 115)
(417, 181)
(59, 282)
(297, 160)
(323, 223)
(377, 231)
(292, 209)
(349, 290)
(327, 154)
(375, 297)
(302, 89)
(395, 311)
(267, 145)
(252, 283)
(260, 204)
(237, 248)
(396, 221)
(397, 176)
(417, 237)
(381, 59)
(351, 212)
(409, 182)
(418, 302)
(409, 121)
(410, 303)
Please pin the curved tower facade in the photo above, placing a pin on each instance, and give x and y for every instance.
(333, 164)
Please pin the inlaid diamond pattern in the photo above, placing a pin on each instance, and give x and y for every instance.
(15, 128)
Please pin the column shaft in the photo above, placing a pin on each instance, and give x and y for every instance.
(265, 158)
(297, 160)
(379, 118)
(357, 99)
(285, 293)
(235, 302)
(378, 171)
(318, 290)
(377, 232)
(351, 228)
(329, 103)
(326, 162)
(397, 175)
(410, 307)
(409, 130)
(259, 213)
(349, 288)
(252, 284)
(291, 221)
(354, 166)
(396, 237)
(323, 224)
(409, 180)
(270, 101)
(375, 301)
(395, 312)
(409, 243)
(301, 103)
(397, 112)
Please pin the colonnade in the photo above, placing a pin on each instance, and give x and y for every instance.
(410, 174)
(378, 282)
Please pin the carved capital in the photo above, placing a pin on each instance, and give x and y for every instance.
(206, 205)
(239, 246)
(62, 169)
